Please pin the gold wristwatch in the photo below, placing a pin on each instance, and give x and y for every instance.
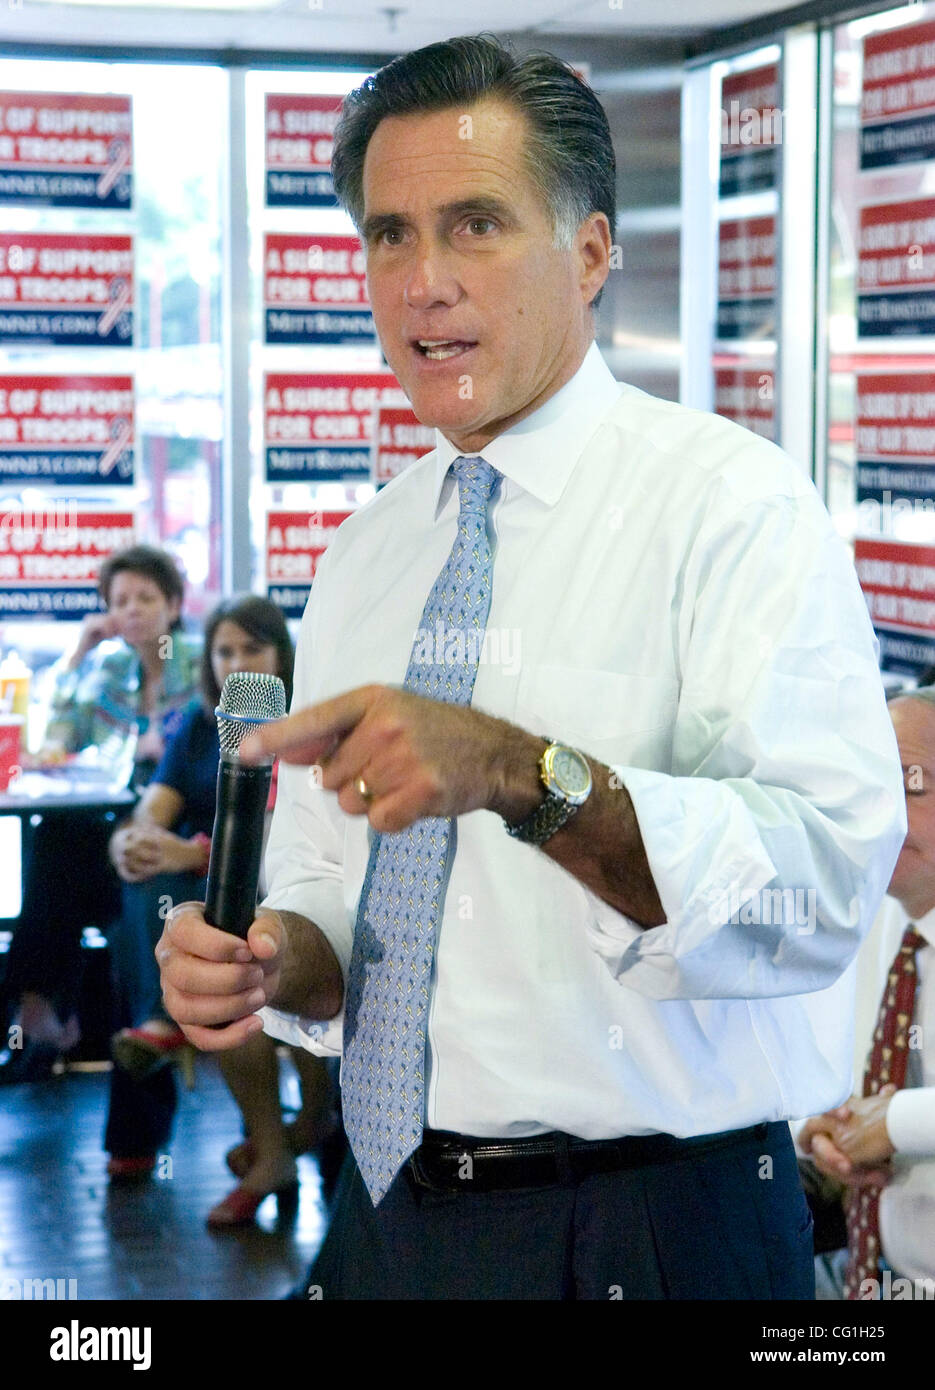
(566, 776)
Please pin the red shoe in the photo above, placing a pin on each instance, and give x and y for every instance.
(131, 1169)
(241, 1158)
(141, 1052)
(240, 1206)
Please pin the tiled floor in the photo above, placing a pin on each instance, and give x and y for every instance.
(61, 1219)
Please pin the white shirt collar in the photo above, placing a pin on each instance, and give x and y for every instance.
(540, 452)
(925, 926)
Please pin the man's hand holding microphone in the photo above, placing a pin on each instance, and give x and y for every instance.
(224, 959)
(213, 982)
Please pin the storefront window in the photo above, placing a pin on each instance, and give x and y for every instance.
(881, 323)
(163, 205)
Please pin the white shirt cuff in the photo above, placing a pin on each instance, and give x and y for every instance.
(910, 1121)
(323, 1039)
(322, 903)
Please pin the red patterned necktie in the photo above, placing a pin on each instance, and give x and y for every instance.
(887, 1062)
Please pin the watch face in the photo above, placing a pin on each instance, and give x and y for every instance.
(571, 772)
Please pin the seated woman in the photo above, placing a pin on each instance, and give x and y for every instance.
(127, 680)
(162, 857)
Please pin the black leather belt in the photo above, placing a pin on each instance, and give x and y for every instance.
(446, 1162)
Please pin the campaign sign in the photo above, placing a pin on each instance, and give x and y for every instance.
(315, 290)
(898, 580)
(747, 278)
(895, 444)
(295, 542)
(66, 430)
(897, 108)
(49, 559)
(747, 395)
(751, 131)
(299, 140)
(398, 440)
(896, 269)
(66, 290)
(65, 150)
(318, 428)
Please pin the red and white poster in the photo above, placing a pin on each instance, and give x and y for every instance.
(751, 130)
(747, 394)
(299, 141)
(895, 438)
(898, 580)
(897, 109)
(66, 290)
(318, 427)
(315, 289)
(50, 558)
(66, 150)
(399, 439)
(295, 542)
(75, 430)
(896, 269)
(747, 278)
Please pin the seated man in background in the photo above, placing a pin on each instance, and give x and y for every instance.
(882, 1142)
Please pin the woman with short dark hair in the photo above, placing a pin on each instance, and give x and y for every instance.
(133, 669)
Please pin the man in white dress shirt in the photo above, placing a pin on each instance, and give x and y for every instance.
(623, 1009)
(892, 1133)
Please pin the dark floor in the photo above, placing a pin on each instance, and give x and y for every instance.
(61, 1218)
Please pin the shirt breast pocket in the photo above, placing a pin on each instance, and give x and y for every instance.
(617, 717)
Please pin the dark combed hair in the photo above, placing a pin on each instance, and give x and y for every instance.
(265, 623)
(146, 560)
(569, 150)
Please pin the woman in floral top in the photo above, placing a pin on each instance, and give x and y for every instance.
(139, 682)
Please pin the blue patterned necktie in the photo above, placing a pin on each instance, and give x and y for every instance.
(383, 1073)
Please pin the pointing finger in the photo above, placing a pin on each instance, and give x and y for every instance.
(309, 734)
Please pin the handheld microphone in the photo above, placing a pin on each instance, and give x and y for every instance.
(248, 699)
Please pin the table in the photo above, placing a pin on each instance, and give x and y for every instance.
(66, 798)
(38, 794)
(58, 793)
(62, 791)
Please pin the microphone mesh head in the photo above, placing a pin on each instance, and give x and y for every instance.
(248, 699)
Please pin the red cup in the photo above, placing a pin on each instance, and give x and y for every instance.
(11, 738)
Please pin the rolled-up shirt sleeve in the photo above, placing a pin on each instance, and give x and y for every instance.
(910, 1122)
(773, 836)
(305, 862)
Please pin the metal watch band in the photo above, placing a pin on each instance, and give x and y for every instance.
(544, 821)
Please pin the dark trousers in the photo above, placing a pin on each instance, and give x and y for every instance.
(726, 1225)
(141, 1113)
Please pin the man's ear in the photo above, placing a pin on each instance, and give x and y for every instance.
(593, 244)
